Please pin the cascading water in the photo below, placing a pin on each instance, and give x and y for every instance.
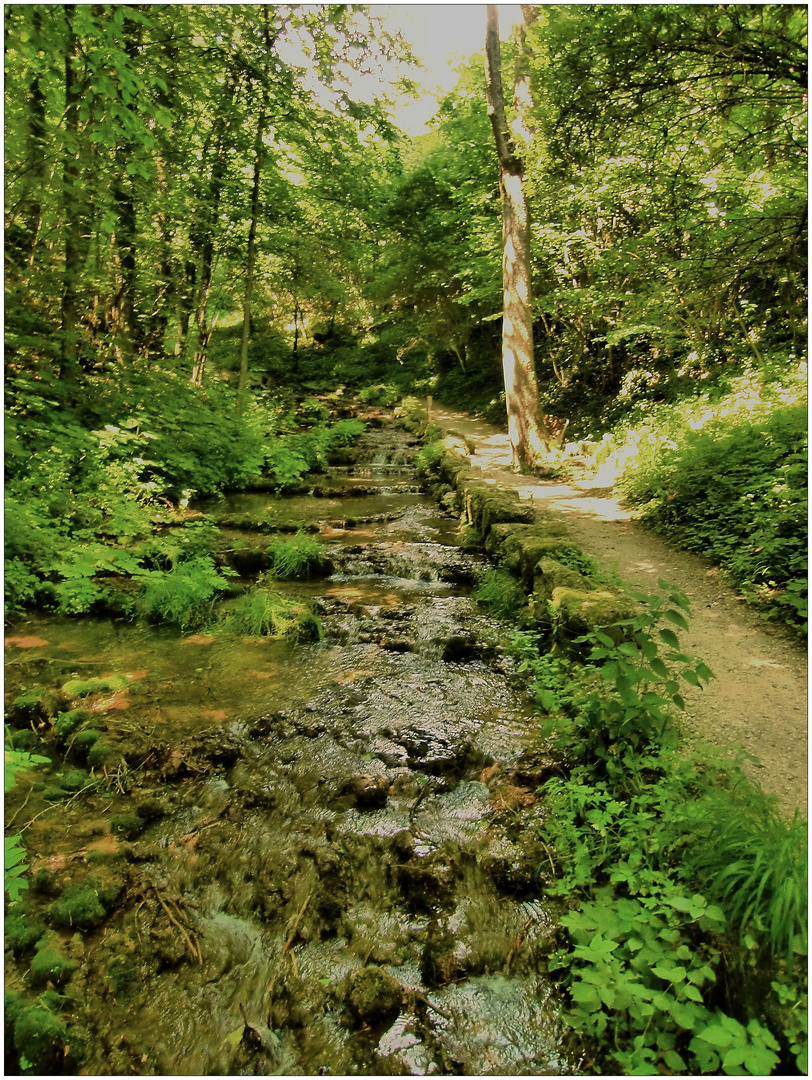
(334, 826)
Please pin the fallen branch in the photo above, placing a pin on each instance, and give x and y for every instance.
(193, 949)
(288, 944)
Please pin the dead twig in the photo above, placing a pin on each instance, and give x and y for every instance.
(296, 922)
(193, 949)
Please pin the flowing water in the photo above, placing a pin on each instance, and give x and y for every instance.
(335, 870)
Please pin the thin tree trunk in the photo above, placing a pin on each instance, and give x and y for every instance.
(529, 440)
(249, 270)
(70, 180)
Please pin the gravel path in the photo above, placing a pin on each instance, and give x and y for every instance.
(758, 700)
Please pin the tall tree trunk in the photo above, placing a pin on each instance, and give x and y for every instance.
(249, 269)
(202, 233)
(70, 183)
(529, 440)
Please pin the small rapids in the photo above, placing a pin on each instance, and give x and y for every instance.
(337, 871)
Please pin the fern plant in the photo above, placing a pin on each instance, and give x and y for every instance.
(296, 558)
(184, 595)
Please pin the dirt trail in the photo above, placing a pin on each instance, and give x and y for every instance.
(758, 698)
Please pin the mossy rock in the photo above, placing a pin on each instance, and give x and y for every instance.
(126, 825)
(487, 506)
(48, 965)
(13, 1005)
(40, 1037)
(78, 906)
(578, 612)
(121, 974)
(99, 753)
(549, 574)
(375, 997)
(67, 722)
(75, 780)
(37, 703)
(498, 535)
(249, 560)
(523, 552)
(453, 467)
(86, 739)
(21, 932)
(25, 739)
(76, 688)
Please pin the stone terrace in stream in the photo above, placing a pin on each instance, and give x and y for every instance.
(302, 858)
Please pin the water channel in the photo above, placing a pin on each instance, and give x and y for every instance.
(335, 871)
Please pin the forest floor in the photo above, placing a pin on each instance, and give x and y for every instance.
(758, 700)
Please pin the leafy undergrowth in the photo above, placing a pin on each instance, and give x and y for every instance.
(93, 469)
(686, 891)
(728, 479)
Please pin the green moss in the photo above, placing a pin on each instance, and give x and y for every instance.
(40, 1037)
(577, 612)
(53, 1000)
(85, 739)
(21, 932)
(375, 996)
(126, 825)
(54, 794)
(24, 739)
(121, 973)
(14, 1004)
(99, 753)
(45, 883)
(82, 687)
(29, 699)
(67, 722)
(75, 780)
(78, 906)
(48, 965)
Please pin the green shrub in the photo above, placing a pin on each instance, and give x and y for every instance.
(753, 864)
(501, 592)
(183, 596)
(660, 854)
(299, 557)
(729, 480)
(262, 613)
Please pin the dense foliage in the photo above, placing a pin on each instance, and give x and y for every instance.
(686, 891)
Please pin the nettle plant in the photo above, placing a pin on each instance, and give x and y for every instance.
(653, 933)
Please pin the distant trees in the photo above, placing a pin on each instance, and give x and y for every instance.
(161, 162)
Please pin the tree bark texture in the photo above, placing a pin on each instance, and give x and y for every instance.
(528, 439)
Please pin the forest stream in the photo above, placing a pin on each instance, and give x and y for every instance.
(313, 858)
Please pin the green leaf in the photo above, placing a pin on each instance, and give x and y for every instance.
(716, 1035)
(676, 618)
(670, 638)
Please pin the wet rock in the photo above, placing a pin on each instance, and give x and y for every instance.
(367, 792)
(458, 649)
(374, 997)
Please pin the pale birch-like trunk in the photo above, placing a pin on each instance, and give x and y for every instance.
(529, 439)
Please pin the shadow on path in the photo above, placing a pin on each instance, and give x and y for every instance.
(758, 700)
